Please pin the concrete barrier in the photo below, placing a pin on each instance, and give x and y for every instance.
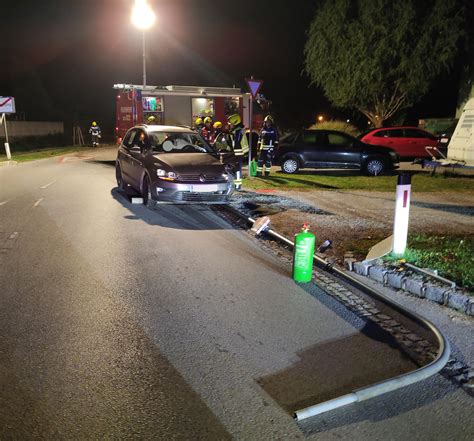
(22, 129)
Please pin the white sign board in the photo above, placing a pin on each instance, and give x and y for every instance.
(7, 104)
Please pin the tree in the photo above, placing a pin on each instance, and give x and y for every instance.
(380, 56)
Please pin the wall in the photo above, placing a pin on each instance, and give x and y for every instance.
(21, 129)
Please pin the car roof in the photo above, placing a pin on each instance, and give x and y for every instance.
(397, 127)
(161, 128)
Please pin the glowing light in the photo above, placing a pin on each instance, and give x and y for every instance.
(320, 118)
(142, 16)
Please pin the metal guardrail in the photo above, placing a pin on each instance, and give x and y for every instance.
(381, 387)
(430, 274)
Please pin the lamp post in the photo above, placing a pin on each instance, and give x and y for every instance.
(143, 18)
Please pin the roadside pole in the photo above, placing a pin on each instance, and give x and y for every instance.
(254, 87)
(251, 133)
(402, 211)
(7, 145)
(7, 105)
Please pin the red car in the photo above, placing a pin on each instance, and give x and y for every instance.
(408, 142)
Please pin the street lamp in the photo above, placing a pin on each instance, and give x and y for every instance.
(143, 18)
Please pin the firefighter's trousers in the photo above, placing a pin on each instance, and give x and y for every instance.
(95, 140)
(238, 173)
(264, 159)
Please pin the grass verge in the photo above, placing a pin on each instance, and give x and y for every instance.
(452, 256)
(42, 153)
(420, 182)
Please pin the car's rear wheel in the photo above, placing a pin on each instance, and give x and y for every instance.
(375, 166)
(148, 200)
(119, 177)
(290, 165)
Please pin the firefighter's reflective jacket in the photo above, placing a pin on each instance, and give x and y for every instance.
(269, 138)
(238, 141)
(94, 130)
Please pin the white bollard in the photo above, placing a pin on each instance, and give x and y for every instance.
(7, 151)
(402, 211)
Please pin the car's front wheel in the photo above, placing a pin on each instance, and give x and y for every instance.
(148, 200)
(374, 166)
(290, 165)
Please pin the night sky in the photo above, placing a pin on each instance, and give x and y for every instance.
(60, 59)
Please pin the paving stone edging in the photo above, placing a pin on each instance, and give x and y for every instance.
(415, 285)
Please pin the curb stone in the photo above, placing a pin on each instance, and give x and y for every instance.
(458, 302)
(361, 268)
(436, 293)
(378, 273)
(470, 307)
(395, 279)
(416, 285)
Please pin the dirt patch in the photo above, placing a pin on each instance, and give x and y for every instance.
(357, 220)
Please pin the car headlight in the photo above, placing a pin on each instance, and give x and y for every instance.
(168, 176)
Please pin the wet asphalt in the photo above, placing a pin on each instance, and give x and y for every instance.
(121, 322)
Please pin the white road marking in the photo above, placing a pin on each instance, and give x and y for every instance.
(4, 202)
(38, 202)
(14, 235)
(47, 185)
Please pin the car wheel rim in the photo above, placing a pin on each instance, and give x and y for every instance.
(375, 167)
(290, 166)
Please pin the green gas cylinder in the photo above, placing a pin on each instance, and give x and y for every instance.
(303, 255)
(253, 168)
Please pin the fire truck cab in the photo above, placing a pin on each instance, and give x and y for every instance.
(181, 105)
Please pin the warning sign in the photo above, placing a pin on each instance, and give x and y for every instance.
(254, 86)
(7, 104)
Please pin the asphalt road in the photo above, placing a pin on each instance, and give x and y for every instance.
(121, 322)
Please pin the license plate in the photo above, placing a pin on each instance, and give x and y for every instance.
(203, 188)
(444, 140)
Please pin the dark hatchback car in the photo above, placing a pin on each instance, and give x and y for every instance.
(171, 165)
(332, 149)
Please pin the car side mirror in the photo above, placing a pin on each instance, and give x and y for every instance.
(135, 149)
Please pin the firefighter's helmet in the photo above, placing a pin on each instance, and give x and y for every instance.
(217, 125)
(151, 119)
(207, 119)
(198, 121)
(268, 119)
(94, 123)
(234, 119)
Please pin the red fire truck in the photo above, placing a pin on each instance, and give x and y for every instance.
(181, 105)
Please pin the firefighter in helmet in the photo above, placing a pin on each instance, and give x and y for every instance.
(268, 140)
(237, 139)
(198, 125)
(207, 131)
(95, 132)
(220, 139)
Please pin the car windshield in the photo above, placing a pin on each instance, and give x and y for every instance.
(178, 142)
